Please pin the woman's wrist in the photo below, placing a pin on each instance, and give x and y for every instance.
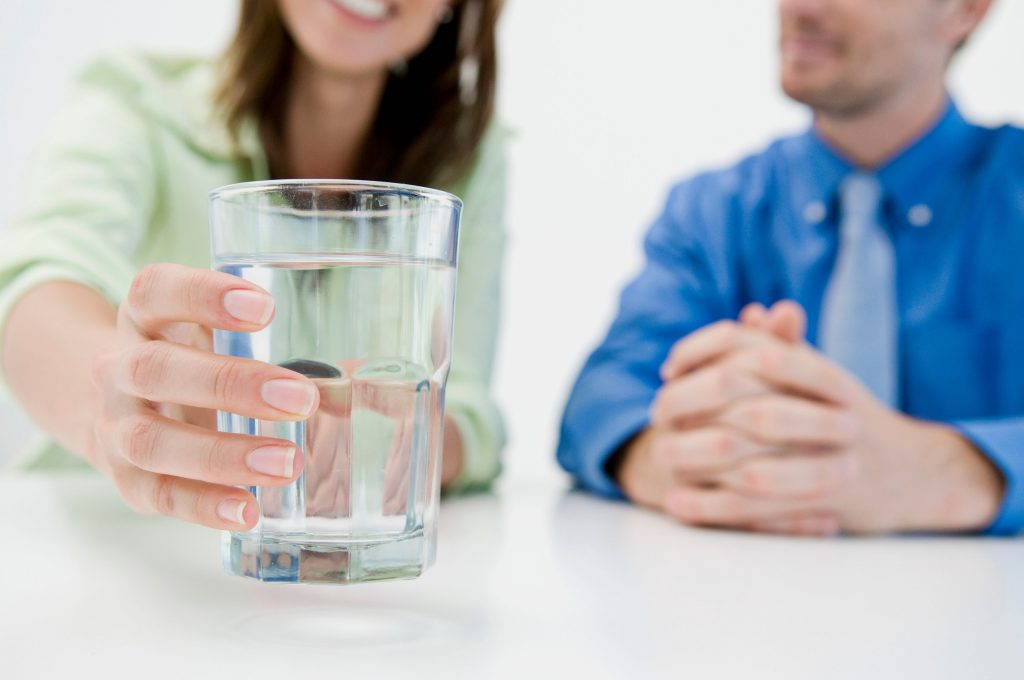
(452, 456)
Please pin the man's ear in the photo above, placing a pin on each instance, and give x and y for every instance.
(962, 18)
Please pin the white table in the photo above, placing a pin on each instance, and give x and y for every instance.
(532, 582)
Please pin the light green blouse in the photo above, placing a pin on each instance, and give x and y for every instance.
(122, 181)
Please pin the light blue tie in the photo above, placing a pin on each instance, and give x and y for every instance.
(859, 324)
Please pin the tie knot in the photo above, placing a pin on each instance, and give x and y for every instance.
(860, 195)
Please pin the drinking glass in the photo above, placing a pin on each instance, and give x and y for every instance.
(363, 278)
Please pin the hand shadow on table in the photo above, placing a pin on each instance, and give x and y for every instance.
(681, 589)
(186, 561)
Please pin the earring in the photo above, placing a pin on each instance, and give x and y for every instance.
(469, 77)
(399, 67)
(469, 65)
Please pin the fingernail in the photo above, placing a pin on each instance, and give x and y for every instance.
(249, 306)
(232, 510)
(290, 396)
(272, 460)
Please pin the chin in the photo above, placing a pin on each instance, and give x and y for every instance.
(797, 89)
(350, 62)
(802, 87)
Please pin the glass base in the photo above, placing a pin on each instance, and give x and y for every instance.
(267, 559)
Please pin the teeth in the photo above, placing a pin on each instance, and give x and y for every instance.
(367, 9)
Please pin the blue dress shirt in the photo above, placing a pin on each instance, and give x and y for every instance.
(766, 230)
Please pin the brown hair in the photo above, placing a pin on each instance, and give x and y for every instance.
(432, 115)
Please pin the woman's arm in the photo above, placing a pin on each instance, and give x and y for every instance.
(53, 336)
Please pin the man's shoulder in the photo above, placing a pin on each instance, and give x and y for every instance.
(745, 184)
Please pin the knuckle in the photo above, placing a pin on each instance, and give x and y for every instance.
(757, 477)
(196, 284)
(226, 379)
(722, 383)
(761, 416)
(143, 285)
(101, 369)
(215, 458)
(147, 365)
(162, 495)
(127, 488)
(724, 444)
(728, 508)
(139, 441)
(771, 359)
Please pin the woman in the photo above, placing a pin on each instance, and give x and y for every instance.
(106, 350)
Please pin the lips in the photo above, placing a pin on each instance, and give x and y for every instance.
(809, 48)
(374, 11)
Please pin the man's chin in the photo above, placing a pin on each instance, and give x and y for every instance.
(818, 96)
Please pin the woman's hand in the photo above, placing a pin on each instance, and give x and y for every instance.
(159, 389)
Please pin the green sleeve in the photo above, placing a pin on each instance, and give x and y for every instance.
(478, 297)
(87, 200)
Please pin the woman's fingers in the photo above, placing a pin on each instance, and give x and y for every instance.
(160, 371)
(164, 294)
(160, 445)
(212, 505)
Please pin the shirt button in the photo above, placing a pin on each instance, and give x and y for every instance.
(920, 216)
(814, 212)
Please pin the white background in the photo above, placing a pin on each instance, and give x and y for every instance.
(611, 100)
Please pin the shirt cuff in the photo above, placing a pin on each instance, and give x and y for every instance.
(1002, 441)
(604, 438)
(483, 436)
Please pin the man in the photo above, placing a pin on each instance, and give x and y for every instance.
(885, 392)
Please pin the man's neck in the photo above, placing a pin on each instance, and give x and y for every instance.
(326, 120)
(871, 138)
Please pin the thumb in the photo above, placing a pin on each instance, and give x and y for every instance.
(787, 320)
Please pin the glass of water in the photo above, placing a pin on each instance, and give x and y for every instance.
(363, 278)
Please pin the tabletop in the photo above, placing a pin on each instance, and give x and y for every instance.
(533, 578)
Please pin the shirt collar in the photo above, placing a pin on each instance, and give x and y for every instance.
(912, 179)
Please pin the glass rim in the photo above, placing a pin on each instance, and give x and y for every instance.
(268, 185)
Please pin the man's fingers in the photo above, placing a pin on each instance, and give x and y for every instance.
(704, 450)
(787, 320)
(163, 294)
(161, 371)
(212, 505)
(708, 344)
(160, 445)
(754, 315)
(728, 508)
(812, 525)
(702, 392)
(807, 475)
(790, 421)
(800, 369)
